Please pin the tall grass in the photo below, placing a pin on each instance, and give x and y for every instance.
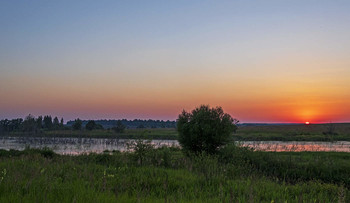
(301, 132)
(167, 175)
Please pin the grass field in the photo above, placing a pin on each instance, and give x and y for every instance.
(312, 132)
(167, 175)
(302, 132)
(153, 133)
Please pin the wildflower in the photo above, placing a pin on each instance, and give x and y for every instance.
(3, 174)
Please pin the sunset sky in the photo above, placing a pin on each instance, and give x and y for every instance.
(262, 61)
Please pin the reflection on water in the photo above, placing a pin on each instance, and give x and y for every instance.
(96, 145)
(74, 145)
(298, 146)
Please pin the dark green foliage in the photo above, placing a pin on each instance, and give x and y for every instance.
(330, 129)
(10, 125)
(120, 127)
(103, 158)
(205, 129)
(292, 167)
(90, 125)
(132, 124)
(29, 124)
(18, 125)
(56, 123)
(47, 153)
(99, 127)
(39, 122)
(119, 177)
(245, 132)
(77, 124)
(61, 124)
(48, 122)
(141, 149)
(297, 132)
(141, 126)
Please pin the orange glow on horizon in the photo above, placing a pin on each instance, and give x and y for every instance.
(278, 67)
(288, 101)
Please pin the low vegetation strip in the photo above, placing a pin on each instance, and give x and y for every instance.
(312, 132)
(155, 134)
(165, 174)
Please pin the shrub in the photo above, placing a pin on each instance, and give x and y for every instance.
(47, 152)
(205, 129)
(141, 149)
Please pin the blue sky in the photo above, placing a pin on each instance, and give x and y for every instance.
(97, 59)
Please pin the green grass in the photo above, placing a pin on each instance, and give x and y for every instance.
(153, 133)
(330, 167)
(167, 175)
(313, 132)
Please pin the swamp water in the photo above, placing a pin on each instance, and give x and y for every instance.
(75, 146)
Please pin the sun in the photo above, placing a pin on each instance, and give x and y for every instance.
(307, 123)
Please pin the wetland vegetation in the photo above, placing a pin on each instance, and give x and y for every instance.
(234, 174)
(146, 172)
(165, 130)
(290, 132)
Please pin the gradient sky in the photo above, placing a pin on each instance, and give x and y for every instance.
(262, 61)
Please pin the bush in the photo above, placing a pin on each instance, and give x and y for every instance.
(141, 149)
(205, 129)
(47, 152)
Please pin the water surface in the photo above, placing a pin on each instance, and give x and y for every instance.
(75, 145)
(97, 145)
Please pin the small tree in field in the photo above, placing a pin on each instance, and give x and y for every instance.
(205, 129)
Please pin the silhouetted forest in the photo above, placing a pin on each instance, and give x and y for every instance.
(131, 124)
(33, 124)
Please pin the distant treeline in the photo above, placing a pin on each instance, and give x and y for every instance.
(131, 124)
(31, 124)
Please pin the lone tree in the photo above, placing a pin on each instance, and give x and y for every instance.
(205, 129)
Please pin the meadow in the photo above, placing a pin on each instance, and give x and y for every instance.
(301, 132)
(166, 174)
(151, 133)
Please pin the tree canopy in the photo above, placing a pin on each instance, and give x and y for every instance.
(77, 124)
(205, 129)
